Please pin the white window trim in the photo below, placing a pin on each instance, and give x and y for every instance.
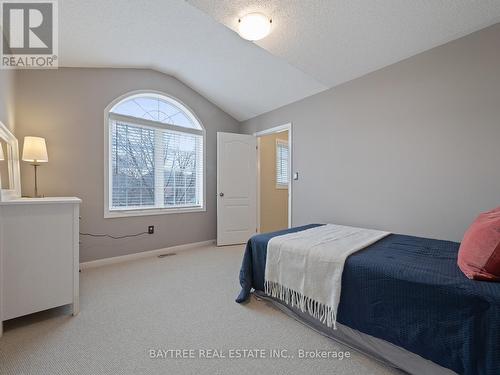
(278, 185)
(127, 212)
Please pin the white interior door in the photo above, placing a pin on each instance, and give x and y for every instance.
(236, 188)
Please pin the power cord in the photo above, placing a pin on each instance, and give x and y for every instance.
(113, 237)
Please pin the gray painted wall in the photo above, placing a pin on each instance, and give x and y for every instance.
(412, 148)
(7, 98)
(66, 106)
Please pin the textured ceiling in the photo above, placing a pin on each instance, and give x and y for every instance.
(315, 44)
(173, 37)
(335, 41)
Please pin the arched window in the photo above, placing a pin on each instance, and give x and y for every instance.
(155, 149)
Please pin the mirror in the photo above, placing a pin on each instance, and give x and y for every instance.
(4, 162)
(10, 180)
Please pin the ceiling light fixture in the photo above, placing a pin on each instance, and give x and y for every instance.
(254, 26)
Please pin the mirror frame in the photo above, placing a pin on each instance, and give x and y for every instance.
(12, 157)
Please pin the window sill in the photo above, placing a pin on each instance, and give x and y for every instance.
(150, 212)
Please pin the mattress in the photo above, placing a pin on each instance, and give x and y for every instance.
(409, 292)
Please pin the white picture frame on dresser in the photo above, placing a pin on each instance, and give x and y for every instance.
(12, 158)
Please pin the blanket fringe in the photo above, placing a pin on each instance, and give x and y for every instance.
(317, 310)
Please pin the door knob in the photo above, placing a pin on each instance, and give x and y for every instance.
(221, 194)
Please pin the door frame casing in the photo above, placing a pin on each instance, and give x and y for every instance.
(276, 129)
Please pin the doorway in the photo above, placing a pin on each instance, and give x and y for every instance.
(244, 205)
(273, 179)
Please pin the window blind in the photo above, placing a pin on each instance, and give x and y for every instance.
(282, 173)
(154, 166)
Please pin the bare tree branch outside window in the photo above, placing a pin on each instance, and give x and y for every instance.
(134, 167)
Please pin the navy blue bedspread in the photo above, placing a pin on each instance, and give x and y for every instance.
(409, 291)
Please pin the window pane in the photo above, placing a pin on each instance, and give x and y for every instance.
(155, 108)
(282, 173)
(182, 169)
(132, 166)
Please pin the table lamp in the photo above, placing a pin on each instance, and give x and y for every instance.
(35, 152)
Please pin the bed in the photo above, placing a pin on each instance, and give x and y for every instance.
(403, 301)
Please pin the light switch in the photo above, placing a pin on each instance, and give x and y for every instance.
(296, 176)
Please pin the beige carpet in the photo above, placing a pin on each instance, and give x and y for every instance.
(179, 302)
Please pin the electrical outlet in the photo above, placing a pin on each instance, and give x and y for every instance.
(151, 229)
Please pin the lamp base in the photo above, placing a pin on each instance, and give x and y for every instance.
(36, 195)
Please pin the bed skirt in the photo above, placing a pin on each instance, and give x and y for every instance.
(375, 348)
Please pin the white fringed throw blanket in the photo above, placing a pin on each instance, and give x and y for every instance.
(304, 269)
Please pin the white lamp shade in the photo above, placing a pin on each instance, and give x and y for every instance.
(35, 150)
(2, 157)
(254, 26)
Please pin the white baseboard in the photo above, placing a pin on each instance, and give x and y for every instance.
(143, 254)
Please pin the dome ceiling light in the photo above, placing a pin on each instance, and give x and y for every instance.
(254, 26)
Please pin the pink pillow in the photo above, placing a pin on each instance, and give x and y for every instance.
(479, 254)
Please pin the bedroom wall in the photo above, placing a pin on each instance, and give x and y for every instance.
(412, 148)
(66, 106)
(273, 201)
(7, 98)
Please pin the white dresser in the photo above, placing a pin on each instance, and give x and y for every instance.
(39, 255)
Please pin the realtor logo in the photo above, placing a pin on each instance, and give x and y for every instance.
(29, 29)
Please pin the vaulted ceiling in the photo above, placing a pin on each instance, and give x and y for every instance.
(314, 45)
